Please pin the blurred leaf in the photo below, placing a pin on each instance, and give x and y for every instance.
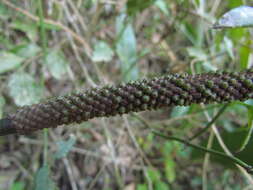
(5, 42)
(170, 169)
(238, 17)
(4, 12)
(236, 34)
(9, 61)
(233, 3)
(189, 32)
(198, 53)
(2, 103)
(161, 4)
(201, 56)
(168, 148)
(135, 6)
(245, 52)
(56, 63)
(18, 186)
(28, 28)
(42, 180)
(142, 187)
(229, 47)
(179, 111)
(194, 33)
(153, 175)
(196, 181)
(24, 90)
(161, 186)
(126, 49)
(207, 66)
(64, 147)
(102, 52)
(28, 50)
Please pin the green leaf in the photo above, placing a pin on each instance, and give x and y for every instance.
(194, 33)
(28, 50)
(135, 6)
(56, 64)
(4, 12)
(170, 169)
(161, 186)
(207, 66)
(153, 175)
(142, 187)
(196, 52)
(9, 61)
(64, 147)
(126, 49)
(18, 186)
(102, 52)
(233, 3)
(24, 89)
(245, 52)
(161, 4)
(28, 28)
(2, 103)
(43, 180)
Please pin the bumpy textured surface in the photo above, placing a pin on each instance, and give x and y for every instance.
(133, 97)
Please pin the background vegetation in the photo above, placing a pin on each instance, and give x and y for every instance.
(50, 48)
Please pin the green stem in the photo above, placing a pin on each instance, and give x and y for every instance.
(248, 168)
(44, 46)
(42, 28)
(210, 123)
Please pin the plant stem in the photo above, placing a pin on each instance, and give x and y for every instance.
(213, 152)
(210, 123)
